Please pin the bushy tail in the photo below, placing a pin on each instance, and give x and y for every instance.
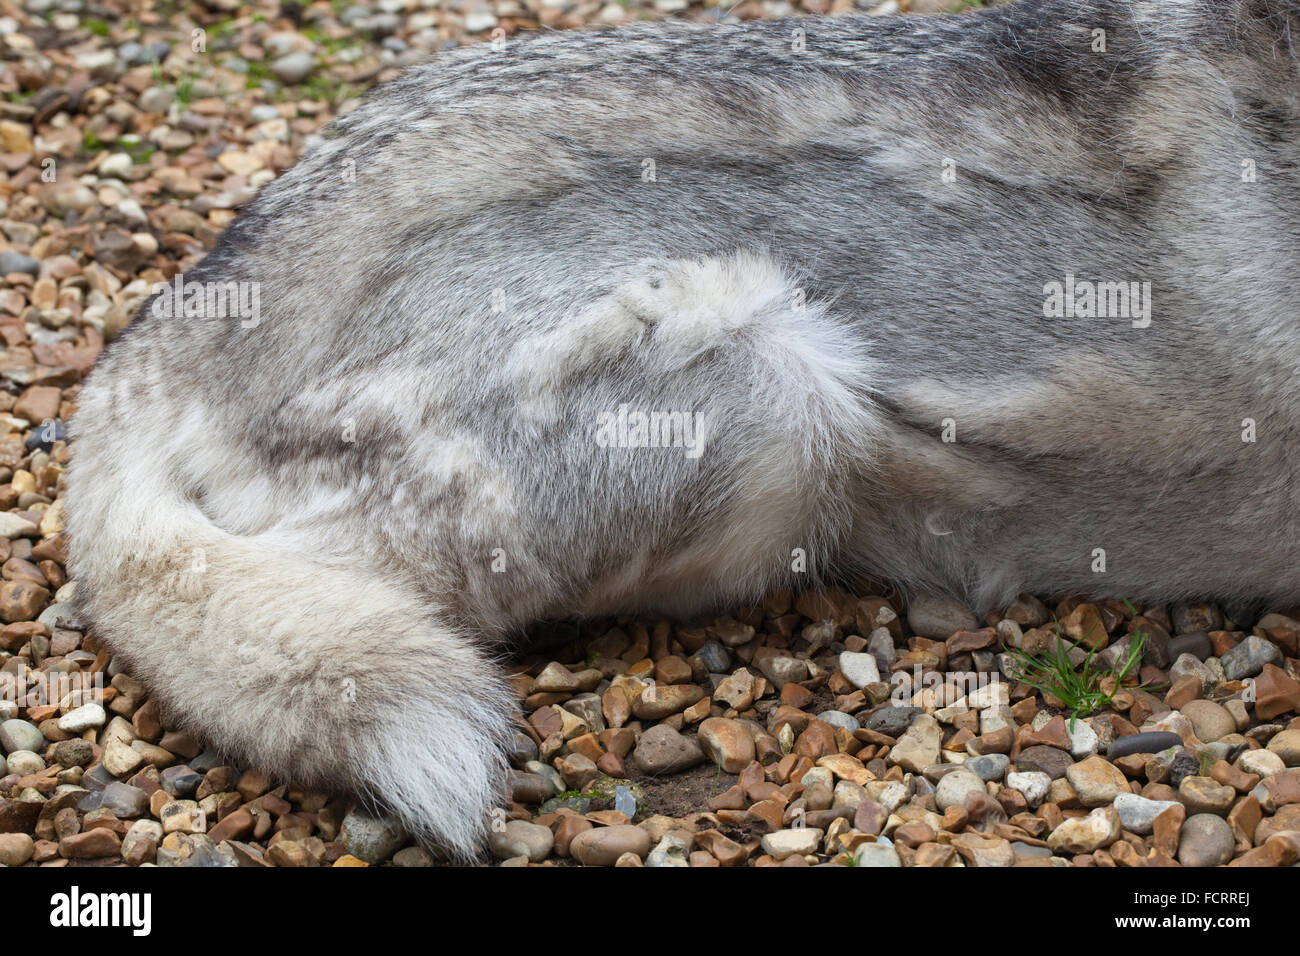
(328, 676)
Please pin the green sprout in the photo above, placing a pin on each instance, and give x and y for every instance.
(1079, 689)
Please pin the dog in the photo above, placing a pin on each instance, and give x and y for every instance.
(660, 319)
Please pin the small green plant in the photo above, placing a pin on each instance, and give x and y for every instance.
(1080, 689)
(136, 148)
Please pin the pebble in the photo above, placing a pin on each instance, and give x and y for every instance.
(413, 857)
(1209, 720)
(1206, 840)
(11, 261)
(520, 838)
(1188, 665)
(837, 718)
(15, 849)
(672, 850)
(1096, 781)
(918, 748)
(1032, 783)
(83, 718)
(24, 762)
(859, 669)
(1049, 760)
(794, 842)
(602, 846)
(953, 789)
(16, 526)
(1098, 829)
(185, 816)
(1152, 742)
(939, 617)
(891, 720)
(1205, 795)
(728, 743)
(293, 67)
(988, 766)
(663, 750)
(92, 844)
(1138, 814)
(880, 645)
(373, 839)
(1265, 763)
(1083, 739)
(1287, 746)
(714, 656)
(1276, 693)
(664, 700)
(979, 849)
(624, 801)
(124, 800)
(18, 734)
(782, 670)
(1195, 643)
(876, 854)
(1249, 657)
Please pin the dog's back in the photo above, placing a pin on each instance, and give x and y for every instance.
(846, 254)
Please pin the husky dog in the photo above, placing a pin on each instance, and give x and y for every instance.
(660, 319)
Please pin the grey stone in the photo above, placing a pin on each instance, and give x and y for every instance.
(1182, 766)
(17, 262)
(373, 839)
(714, 657)
(880, 645)
(1150, 742)
(293, 67)
(938, 617)
(837, 718)
(61, 615)
(1196, 643)
(522, 748)
(663, 750)
(18, 734)
(1206, 840)
(988, 766)
(124, 800)
(890, 720)
(783, 670)
(1249, 657)
(1137, 814)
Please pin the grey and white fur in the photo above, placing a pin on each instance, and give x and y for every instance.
(309, 534)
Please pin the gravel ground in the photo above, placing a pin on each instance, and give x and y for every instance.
(129, 139)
